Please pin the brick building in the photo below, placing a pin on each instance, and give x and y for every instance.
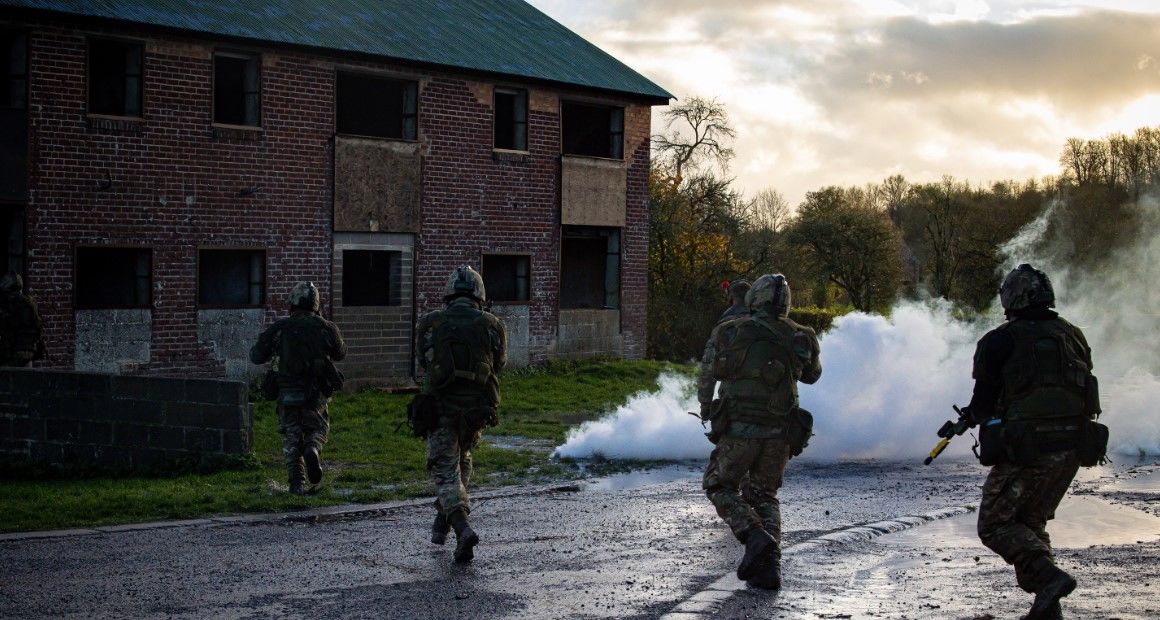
(170, 168)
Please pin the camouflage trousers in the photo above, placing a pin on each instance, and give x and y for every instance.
(449, 462)
(301, 427)
(764, 461)
(1018, 501)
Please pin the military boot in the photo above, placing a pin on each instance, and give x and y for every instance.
(439, 529)
(1054, 584)
(296, 477)
(465, 538)
(759, 548)
(313, 465)
(767, 575)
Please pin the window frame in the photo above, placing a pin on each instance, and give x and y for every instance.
(89, 78)
(509, 302)
(614, 137)
(146, 305)
(256, 58)
(265, 262)
(363, 73)
(517, 93)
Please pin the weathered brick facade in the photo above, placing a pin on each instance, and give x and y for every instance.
(173, 182)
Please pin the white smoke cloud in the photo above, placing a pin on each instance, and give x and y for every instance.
(889, 382)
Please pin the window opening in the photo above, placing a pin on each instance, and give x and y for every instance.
(593, 130)
(367, 276)
(231, 278)
(237, 92)
(506, 277)
(115, 77)
(590, 268)
(113, 278)
(511, 119)
(368, 105)
(14, 79)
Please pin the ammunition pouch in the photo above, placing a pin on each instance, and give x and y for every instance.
(422, 415)
(718, 422)
(328, 377)
(799, 427)
(1093, 444)
(481, 417)
(1091, 397)
(992, 450)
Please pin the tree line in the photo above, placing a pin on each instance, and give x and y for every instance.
(863, 248)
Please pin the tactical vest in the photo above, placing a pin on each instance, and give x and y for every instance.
(462, 354)
(1047, 373)
(758, 370)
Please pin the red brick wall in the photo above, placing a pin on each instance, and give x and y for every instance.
(175, 184)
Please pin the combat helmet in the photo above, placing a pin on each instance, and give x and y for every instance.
(1026, 287)
(465, 282)
(769, 292)
(11, 282)
(304, 296)
(739, 288)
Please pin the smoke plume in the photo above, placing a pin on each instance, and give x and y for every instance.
(888, 382)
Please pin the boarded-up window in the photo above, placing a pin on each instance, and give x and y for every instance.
(506, 277)
(590, 268)
(231, 278)
(113, 278)
(237, 91)
(115, 80)
(368, 105)
(593, 130)
(366, 277)
(511, 119)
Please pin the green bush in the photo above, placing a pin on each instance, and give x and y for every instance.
(821, 319)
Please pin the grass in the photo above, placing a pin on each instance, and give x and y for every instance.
(369, 458)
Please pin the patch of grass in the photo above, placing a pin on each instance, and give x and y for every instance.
(371, 455)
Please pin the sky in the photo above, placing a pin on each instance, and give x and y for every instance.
(832, 92)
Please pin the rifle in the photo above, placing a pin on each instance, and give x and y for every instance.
(948, 430)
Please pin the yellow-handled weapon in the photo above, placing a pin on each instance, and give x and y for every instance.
(949, 429)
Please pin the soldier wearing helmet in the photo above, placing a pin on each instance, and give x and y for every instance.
(737, 290)
(461, 350)
(21, 332)
(756, 422)
(304, 347)
(1032, 380)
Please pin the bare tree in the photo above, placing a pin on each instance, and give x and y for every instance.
(768, 210)
(696, 131)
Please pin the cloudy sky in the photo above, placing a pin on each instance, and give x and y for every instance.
(832, 92)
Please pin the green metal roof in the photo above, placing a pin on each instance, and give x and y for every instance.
(506, 37)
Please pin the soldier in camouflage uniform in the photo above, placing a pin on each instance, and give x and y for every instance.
(305, 347)
(21, 332)
(758, 359)
(737, 309)
(461, 349)
(1032, 372)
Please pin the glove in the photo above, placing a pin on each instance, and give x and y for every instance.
(706, 411)
(969, 416)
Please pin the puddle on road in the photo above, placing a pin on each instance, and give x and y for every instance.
(645, 477)
(1079, 523)
(1148, 482)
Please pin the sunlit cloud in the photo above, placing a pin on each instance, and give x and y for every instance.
(842, 92)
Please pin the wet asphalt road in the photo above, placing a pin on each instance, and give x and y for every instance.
(633, 546)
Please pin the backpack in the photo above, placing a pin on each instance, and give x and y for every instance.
(462, 350)
(302, 353)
